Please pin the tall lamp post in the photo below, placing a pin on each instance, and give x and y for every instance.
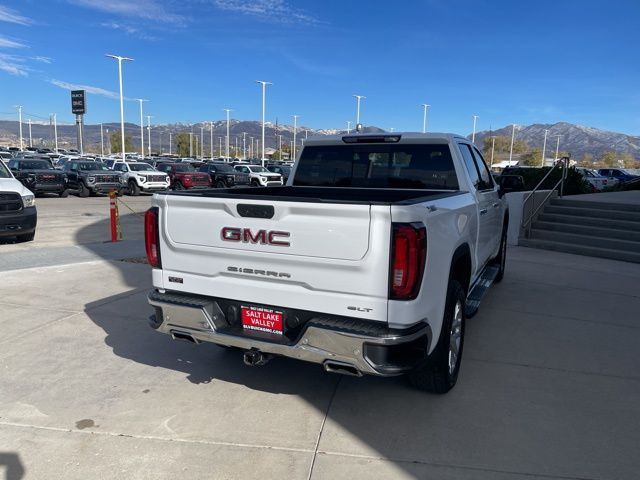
(513, 136)
(148, 134)
(228, 110)
(544, 146)
(55, 129)
(264, 91)
(141, 127)
(358, 99)
(348, 126)
(101, 140)
(295, 129)
(557, 145)
(19, 107)
(30, 138)
(120, 60)
(211, 139)
(473, 135)
(425, 107)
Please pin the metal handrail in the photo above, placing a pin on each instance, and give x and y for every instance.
(526, 223)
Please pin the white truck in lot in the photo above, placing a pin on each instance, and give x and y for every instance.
(141, 177)
(368, 261)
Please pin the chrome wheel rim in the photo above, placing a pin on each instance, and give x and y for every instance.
(455, 337)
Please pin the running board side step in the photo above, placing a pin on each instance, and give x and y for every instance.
(480, 289)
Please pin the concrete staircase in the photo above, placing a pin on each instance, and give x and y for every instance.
(595, 229)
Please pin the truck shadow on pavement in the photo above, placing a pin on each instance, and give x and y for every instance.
(366, 409)
(14, 470)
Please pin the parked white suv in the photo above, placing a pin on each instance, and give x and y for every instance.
(18, 216)
(260, 176)
(368, 262)
(141, 177)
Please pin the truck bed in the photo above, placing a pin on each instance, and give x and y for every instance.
(370, 196)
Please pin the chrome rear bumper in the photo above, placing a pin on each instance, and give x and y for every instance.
(364, 346)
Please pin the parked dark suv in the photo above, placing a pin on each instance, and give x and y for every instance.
(39, 176)
(90, 178)
(284, 170)
(224, 175)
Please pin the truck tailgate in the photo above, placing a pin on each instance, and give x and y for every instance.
(323, 257)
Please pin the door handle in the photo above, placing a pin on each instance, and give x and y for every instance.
(496, 205)
(483, 211)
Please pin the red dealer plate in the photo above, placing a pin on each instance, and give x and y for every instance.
(260, 319)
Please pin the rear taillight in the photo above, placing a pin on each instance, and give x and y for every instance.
(152, 237)
(408, 255)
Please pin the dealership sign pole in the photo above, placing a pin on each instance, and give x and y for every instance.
(79, 108)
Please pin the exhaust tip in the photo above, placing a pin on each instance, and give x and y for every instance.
(341, 368)
(255, 358)
(184, 337)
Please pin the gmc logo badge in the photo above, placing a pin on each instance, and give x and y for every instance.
(245, 235)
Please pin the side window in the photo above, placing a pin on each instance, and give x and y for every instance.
(470, 164)
(485, 174)
(13, 165)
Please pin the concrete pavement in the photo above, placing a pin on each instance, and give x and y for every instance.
(549, 386)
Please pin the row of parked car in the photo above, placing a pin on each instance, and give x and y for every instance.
(87, 176)
(606, 177)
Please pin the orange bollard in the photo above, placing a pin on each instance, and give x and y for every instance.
(113, 208)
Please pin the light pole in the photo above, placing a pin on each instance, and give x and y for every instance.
(557, 145)
(220, 146)
(19, 107)
(30, 139)
(544, 146)
(424, 106)
(280, 146)
(141, 128)
(211, 138)
(120, 59)
(228, 110)
(244, 145)
(170, 140)
(513, 136)
(101, 141)
(358, 99)
(348, 126)
(202, 141)
(295, 128)
(493, 147)
(191, 142)
(148, 134)
(108, 141)
(473, 135)
(55, 130)
(264, 89)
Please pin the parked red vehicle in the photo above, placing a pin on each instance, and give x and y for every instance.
(184, 176)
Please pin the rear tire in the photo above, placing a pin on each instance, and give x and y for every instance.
(501, 258)
(178, 186)
(28, 237)
(440, 371)
(64, 193)
(134, 189)
(84, 191)
(220, 184)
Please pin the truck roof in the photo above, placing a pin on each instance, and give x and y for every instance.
(404, 137)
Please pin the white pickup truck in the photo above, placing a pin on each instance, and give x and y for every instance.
(368, 261)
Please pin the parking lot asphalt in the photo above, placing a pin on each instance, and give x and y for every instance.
(549, 385)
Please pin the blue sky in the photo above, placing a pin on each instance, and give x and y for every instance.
(506, 61)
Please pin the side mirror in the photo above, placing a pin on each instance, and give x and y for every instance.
(510, 183)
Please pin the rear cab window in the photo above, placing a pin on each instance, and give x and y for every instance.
(397, 166)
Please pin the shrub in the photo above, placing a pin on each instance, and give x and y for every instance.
(574, 184)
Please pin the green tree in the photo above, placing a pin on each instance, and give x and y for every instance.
(182, 144)
(533, 158)
(609, 159)
(627, 160)
(116, 143)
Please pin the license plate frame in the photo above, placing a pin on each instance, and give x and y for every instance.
(258, 319)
